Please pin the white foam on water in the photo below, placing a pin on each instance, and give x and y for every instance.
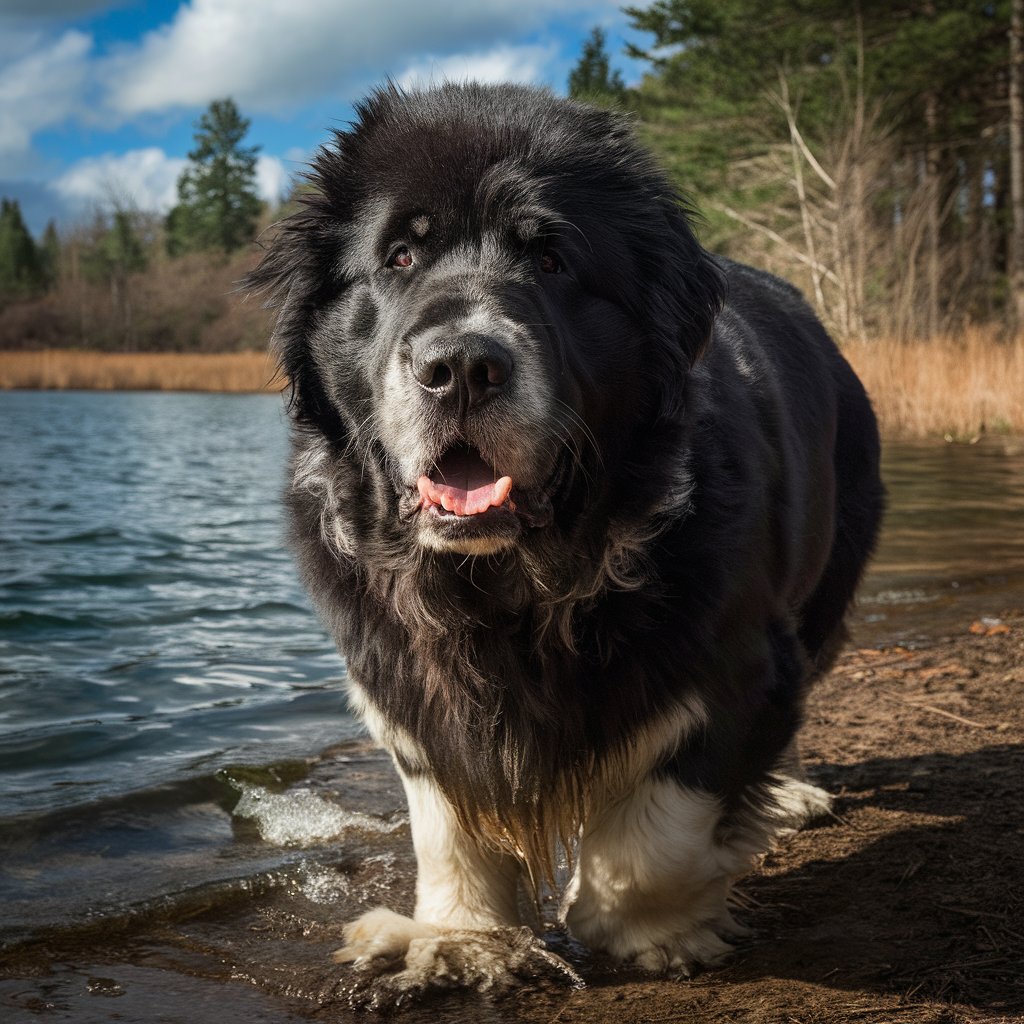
(325, 885)
(898, 597)
(301, 817)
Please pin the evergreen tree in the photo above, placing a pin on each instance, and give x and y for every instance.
(592, 79)
(21, 268)
(878, 125)
(49, 251)
(217, 200)
(121, 251)
(116, 253)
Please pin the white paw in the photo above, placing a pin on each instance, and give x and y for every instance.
(702, 945)
(668, 942)
(799, 802)
(381, 934)
(397, 959)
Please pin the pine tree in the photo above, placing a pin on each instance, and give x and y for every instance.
(592, 79)
(879, 125)
(217, 200)
(117, 252)
(21, 267)
(49, 251)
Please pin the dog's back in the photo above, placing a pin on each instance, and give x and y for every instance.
(831, 418)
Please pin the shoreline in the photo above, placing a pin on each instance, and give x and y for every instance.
(955, 389)
(245, 372)
(899, 908)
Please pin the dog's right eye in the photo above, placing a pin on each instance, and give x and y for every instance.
(549, 262)
(400, 258)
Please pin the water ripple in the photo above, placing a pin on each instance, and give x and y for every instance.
(149, 613)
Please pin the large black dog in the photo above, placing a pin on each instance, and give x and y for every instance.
(583, 506)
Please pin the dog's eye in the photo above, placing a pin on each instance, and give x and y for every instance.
(549, 263)
(400, 258)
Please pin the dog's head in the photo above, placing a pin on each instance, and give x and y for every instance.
(488, 296)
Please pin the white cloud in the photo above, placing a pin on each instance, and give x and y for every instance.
(502, 64)
(144, 178)
(39, 90)
(271, 179)
(272, 56)
(147, 179)
(267, 55)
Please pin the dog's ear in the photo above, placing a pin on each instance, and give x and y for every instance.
(300, 270)
(686, 286)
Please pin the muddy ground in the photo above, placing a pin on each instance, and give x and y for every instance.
(906, 906)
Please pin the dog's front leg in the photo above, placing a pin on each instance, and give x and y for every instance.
(459, 882)
(465, 930)
(653, 877)
(460, 885)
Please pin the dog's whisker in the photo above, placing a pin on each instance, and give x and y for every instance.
(575, 420)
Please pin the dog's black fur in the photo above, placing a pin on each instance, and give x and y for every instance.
(694, 464)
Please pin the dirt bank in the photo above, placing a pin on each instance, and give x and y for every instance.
(907, 906)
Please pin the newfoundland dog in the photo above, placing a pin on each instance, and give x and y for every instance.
(583, 506)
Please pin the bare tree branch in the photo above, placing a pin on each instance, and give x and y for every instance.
(775, 237)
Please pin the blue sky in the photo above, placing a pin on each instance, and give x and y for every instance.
(98, 98)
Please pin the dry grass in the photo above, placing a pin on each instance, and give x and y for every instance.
(956, 388)
(952, 387)
(142, 371)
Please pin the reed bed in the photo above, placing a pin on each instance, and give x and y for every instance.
(958, 387)
(60, 369)
(953, 387)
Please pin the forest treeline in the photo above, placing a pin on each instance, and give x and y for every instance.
(868, 150)
(131, 280)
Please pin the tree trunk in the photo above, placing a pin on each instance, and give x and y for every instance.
(859, 203)
(933, 197)
(1015, 249)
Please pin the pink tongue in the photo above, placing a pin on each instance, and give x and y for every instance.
(466, 486)
(464, 501)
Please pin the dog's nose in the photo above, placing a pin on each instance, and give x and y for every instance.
(466, 370)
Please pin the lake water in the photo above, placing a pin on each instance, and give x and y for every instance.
(173, 730)
(152, 623)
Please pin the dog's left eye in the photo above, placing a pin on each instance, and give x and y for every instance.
(549, 263)
(401, 258)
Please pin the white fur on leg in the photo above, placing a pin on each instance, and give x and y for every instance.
(465, 932)
(459, 883)
(796, 801)
(652, 879)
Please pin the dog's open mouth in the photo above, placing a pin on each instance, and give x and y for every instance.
(463, 484)
(464, 496)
